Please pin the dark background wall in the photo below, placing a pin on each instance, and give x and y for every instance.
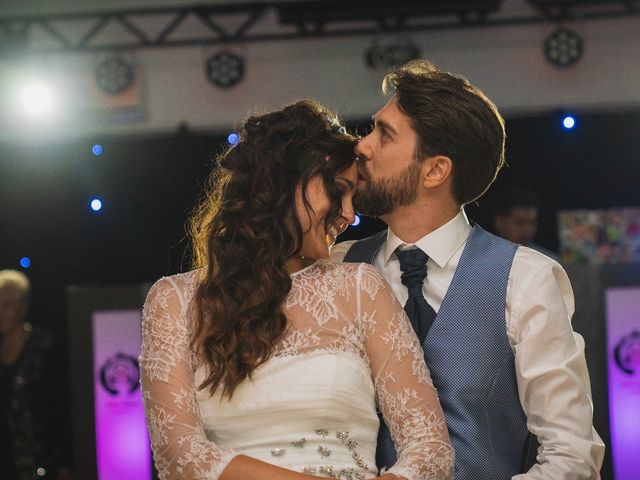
(149, 186)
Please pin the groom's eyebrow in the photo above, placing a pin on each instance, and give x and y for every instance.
(383, 124)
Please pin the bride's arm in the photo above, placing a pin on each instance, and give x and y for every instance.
(180, 448)
(405, 394)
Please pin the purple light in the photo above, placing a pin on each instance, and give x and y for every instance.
(122, 441)
(623, 365)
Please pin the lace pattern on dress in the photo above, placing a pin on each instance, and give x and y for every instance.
(332, 307)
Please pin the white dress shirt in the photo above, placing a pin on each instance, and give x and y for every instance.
(551, 370)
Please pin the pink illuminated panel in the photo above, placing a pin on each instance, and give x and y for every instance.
(122, 440)
(623, 362)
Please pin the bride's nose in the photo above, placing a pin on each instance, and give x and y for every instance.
(348, 215)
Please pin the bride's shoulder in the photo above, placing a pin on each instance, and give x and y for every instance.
(180, 287)
(363, 275)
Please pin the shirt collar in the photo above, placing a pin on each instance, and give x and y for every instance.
(439, 245)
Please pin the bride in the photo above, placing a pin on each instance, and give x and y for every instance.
(267, 362)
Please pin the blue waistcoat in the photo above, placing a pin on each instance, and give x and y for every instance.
(471, 361)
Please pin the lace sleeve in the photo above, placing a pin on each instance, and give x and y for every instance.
(405, 394)
(180, 447)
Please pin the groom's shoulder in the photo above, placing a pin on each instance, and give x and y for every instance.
(339, 250)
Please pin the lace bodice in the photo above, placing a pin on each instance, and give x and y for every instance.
(348, 341)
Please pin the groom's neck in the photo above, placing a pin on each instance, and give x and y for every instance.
(412, 222)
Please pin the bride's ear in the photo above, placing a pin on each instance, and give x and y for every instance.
(435, 171)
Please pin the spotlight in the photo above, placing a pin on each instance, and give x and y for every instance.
(356, 221)
(563, 47)
(37, 99)
(114, 75)
(25, 262)
(97, 150)
(225, 69)
(386, 56)
(233, 138)
(95, 204)
(568, 122)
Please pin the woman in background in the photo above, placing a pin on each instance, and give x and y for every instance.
(33, 425)
(267, 362)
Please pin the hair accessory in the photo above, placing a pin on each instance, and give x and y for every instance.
(337, 128)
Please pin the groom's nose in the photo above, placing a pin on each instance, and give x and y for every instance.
(362, 148)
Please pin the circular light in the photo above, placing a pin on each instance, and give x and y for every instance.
(37, 99)
(96, 204)
(568, 122)
(225, 69)
(356, 221)
(97, 150)
(114, 75)
(25, 262)
(233, 138)
(563, 47)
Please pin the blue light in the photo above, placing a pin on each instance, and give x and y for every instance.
(95, 204)
(356, 221)
(233, 138)
(97, 149)
(25, 262)
(568, 122)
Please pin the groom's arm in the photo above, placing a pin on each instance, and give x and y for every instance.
(551, 370)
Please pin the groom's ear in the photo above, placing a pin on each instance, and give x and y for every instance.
(436, 170)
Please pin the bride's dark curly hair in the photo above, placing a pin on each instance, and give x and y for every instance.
(246, 228)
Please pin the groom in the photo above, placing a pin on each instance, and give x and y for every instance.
(494, 318)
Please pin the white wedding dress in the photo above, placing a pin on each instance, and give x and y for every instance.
(312, 406)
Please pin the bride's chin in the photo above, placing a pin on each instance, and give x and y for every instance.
(330, 236)
(330, 240)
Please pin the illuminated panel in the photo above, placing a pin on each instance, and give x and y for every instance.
(122, 441)
(623, 362)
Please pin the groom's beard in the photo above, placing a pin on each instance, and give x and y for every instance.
(383, 196)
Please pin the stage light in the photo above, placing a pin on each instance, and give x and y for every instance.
(114, 75)
(225, 69)
(563, 47)
(568, 122)
(233, 138)
(95, 204)
(97, 150)
(25, 262)
(37, 99)
(391, 55)
(356, 221)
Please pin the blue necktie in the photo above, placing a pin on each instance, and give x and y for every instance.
(413, 264)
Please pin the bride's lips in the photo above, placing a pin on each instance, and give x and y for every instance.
(362, 181)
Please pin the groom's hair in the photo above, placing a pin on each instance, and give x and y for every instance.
(452, 118)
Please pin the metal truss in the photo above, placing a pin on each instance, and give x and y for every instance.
(581, 9)
(133, 29)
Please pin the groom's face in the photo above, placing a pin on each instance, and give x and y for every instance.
(389, 173)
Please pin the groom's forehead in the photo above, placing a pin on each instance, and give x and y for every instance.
(392, 117)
